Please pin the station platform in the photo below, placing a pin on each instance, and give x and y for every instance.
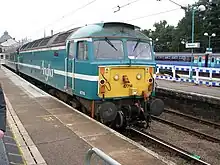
(50, 132)
(9, 150)
(189, 88)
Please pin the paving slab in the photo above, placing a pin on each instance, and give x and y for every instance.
(12, 152)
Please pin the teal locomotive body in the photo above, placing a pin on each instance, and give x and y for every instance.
(106, 68)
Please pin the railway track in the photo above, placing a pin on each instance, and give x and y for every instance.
(203, 121)
(191, 158)
(193, 131)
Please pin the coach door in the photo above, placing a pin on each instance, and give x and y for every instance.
(212, 61)
(217, 62)
(200, 61)
(69, 68)
(206, 60)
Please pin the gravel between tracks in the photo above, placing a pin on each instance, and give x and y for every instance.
(192, 124)
(208, 151)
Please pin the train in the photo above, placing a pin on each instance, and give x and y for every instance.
(104, 69)
(187, 59)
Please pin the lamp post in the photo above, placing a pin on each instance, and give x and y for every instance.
(182, 41)
(209, 36)
(194, 9)
(153, 42)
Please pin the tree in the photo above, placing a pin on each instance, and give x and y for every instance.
(212, 23)
(162, 36)
(169, 37)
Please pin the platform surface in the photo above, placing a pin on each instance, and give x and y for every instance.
(189, 88)
(62, 135)
(9, 150)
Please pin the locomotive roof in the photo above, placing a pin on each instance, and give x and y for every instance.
(109, 29)
(58, 39)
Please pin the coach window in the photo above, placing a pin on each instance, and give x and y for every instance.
(82, 50)
(200, 59)
(213, 59)
(218, 60)
(1, 56)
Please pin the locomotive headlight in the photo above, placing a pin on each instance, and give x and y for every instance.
(116, 77)
(138, 76)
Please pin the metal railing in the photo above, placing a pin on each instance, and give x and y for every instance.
(99, 158)
(197, 78)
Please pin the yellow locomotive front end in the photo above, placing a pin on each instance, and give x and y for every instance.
(125, 81)
(127, 95)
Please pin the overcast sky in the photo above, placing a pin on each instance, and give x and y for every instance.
(29, 18)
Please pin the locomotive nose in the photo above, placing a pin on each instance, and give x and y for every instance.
(156, 107)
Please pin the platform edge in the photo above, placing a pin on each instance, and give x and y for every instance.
(31, 154)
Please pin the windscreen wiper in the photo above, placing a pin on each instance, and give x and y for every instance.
(109, 42)
(140, 53)
(136, 45)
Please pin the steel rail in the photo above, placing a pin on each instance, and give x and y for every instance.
(203, 121)
(169, 146)
(194, 132)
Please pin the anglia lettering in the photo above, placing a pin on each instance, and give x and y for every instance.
(47, 71)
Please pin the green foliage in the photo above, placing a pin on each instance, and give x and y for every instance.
(169, 38)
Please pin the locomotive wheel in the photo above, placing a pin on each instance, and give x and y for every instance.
(83, 109)
(119, 121)
(156, 107)
(107, 111)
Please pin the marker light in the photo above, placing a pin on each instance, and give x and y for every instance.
(116, 77)
(138, 76)
(134, 92)
(102, 82)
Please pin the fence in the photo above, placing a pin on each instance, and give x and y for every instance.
(197, 78)
(99, 156)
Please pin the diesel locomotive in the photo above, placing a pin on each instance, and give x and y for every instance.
(105, 69)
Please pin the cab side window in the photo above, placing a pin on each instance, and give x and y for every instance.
(71, 50)
(82, 50)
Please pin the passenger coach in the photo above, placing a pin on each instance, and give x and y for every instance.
(186, 59)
